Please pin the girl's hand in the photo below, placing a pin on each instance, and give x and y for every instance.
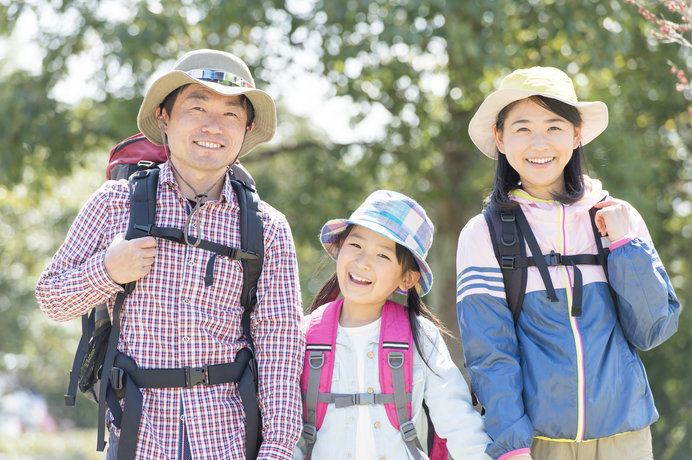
(612, 218)
(519, 457)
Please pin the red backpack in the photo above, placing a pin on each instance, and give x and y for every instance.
(395, 357)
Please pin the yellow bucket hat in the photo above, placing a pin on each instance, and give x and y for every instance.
(221, 72)
(535, 81)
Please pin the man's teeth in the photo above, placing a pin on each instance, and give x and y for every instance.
(540, 161)
(210, 145)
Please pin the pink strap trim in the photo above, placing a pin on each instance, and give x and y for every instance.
(525, 450)
(395, 327)
(322, 330)
(622, 241)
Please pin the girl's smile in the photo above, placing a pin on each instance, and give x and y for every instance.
(368, 272)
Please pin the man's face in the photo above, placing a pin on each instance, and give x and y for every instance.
(205, 130)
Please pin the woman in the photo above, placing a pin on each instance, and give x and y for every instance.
(563, 377)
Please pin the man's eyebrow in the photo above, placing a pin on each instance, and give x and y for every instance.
(203, 96)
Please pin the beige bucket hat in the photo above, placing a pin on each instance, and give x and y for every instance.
(221, 72)
(535, 81)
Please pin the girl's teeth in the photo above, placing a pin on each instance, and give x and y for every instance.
(358, 279)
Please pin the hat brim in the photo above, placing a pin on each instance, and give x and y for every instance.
(594, 117)
(333, 228)
(263, 104)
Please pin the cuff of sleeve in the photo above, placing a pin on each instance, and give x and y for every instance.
(622, 241)
(96, 274)
(525, 450)
(274, 451)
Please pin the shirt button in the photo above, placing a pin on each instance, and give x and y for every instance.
(371, 354)
(377, 424)
(370, 390)
(186, 339)
(186, 301)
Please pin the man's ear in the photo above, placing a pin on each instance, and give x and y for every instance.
(409, 279)
(161, 116)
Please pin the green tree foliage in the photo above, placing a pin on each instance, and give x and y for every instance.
(425, 65)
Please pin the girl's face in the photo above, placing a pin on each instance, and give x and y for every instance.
(368, 270)
(538, 144)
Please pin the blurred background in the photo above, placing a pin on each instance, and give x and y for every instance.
(370, 94)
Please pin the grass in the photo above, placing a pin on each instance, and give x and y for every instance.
(60, 445)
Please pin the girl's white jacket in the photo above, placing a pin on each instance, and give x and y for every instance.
(444, 389)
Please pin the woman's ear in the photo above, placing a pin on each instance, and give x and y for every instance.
(498, 140)
(409, 279)
(577, 136)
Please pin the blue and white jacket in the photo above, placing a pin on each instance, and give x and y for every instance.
(553, 375)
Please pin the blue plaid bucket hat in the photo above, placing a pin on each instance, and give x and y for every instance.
(394, 216)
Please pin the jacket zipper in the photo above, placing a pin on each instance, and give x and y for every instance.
(575, 332)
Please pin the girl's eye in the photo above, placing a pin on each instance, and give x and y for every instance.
(523, 130)
(384, 256)
(355, 245)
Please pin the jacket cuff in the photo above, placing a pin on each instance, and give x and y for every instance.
(622, 241)
(525, 450)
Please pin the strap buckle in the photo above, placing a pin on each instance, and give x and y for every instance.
(395, 359)
(196, 376)
(309, 433)
(316, 360)
(117, 378)
(554, 258)
(408, 431)
(363, 399)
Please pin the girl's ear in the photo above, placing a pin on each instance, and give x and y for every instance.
(498, 140)
(409, 279)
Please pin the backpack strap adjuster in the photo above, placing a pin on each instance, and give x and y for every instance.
(196, 376)
(554, 258)
(408, 431)
(507, 263)
(309, 433)
(117, 375)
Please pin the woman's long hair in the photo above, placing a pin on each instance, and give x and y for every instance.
(330, 291)
(507, 178)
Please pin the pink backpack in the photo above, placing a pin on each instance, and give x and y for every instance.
(395, 369)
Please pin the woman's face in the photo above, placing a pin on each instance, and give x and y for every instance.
(538, 144)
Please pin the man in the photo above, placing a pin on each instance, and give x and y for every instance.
(208, 113)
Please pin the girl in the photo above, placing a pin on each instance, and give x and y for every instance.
(563, 378)
(381, 249)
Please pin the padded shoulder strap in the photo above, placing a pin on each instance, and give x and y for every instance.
(143, 186)
(508, 244)
(396, 352)
(318, 366)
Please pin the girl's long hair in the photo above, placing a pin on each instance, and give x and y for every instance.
(330, 291)
(507, 178)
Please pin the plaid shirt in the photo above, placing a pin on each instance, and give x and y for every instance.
(172, 320)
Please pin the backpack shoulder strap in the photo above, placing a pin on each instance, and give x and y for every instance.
(508, 244)
(251, 241)
(395, 357)
(318, 367)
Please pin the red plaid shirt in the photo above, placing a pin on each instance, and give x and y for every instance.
(172, 320)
